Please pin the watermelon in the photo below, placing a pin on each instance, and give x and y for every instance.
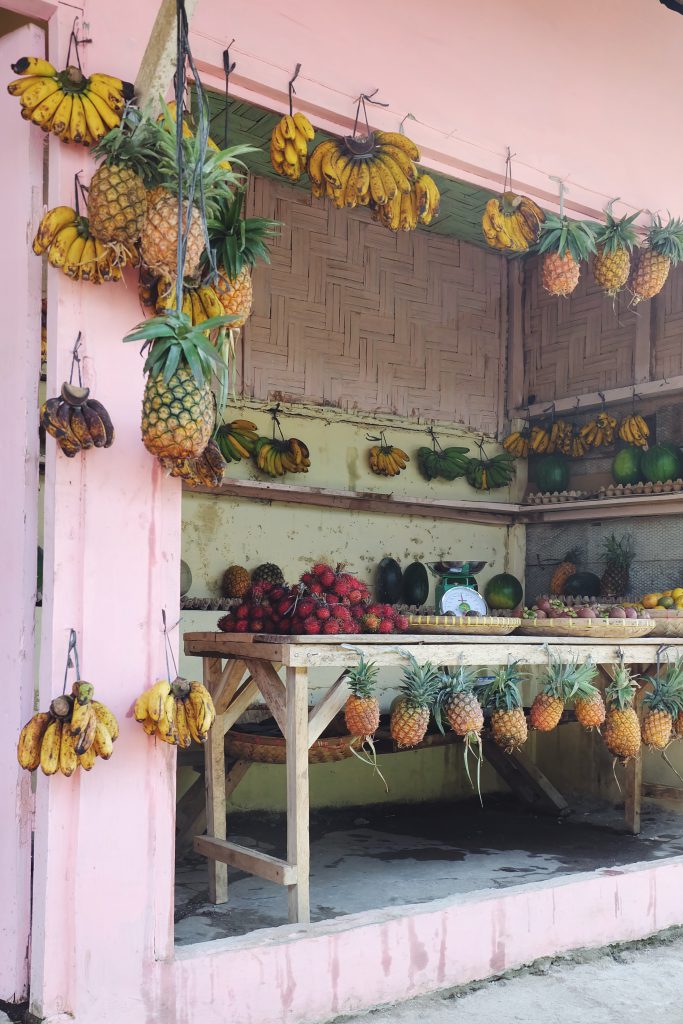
(551, 473)
(415, 584)
(626, 467)
(661, 462)
(503, 591)
(388, 581)
(582, 584)
(185, 578)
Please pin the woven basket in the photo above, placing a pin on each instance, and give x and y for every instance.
(667, 622)
(484, 625)
(273, 749)
(614, 629)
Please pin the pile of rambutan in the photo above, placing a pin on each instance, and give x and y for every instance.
(325, 601)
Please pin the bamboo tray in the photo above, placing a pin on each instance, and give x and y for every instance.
(483, 625)
(249, 746)
(667, 623)
(614, 629)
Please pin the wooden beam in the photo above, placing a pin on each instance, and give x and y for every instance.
(525, 779)
(298, 843)
(320, 716)
(246, 696)
(230, 682)
(515, 346)
(653, 791)
(214, 782)
(272, 690)
(241, 857)
(159, 59)
(661, 388)
(665, 504)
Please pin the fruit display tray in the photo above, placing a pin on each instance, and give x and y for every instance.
(613, 629)
(628, 490)
(668, 622)
(483, 625)
(554, 497)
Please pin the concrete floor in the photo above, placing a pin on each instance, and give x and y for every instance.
(388, 857)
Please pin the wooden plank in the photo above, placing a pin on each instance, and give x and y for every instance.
(298, 849)
(525, 779)
(663, 388)
(246, 696)
(515, 353)
(229, 684)
(632, 803)
(320, 716)
(653, 791)
(214, 780)
(191, 809)
(462, 511)
(668, 504)
(159, 59)
(642, 355)
(235, 776)
(241, 857)
(272, 690)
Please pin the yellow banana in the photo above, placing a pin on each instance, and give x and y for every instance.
(403, 183)
(402, 159)
(39, 91)
(156, 697)
(102, 744)
(300, 145)
(316, 158)
(107, 717)
(277, 138)
(399, 141)
(21, 85)
(68, 759)
(304, 126)
(34, 66)
(49, 748)
(113, 99)
(191, 717)
(60, 245)
(42, 114)
(141, 707)
(87, 760)
(30, 740)
(166, 727)
(110, 118)
(84, 740)
(196, 702)
(78, 127)
(288, 127)
(182, 726)
(62, 118)
(88, 262)
(53, 221)
(96, 125)
(328, 166)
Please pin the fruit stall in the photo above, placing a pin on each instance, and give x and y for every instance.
(347, 454)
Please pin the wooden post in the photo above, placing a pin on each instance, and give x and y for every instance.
(297, 793)
(214, 780)
(634, 787)
(158, 62)
(515, 351)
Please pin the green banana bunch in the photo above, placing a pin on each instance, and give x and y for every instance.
(236, 440)
(447, 463)
(485, 474)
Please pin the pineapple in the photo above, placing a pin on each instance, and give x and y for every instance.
(622, 728)
(457, 700)
(502, 696)
(617, 556)
(268, 572)
(361, 710)
(663, 249)
(564, 244)
(117, 196)
(589, 707)
(565, 569)
(238, 242)
(202, 175)
(563, 681)
(664, 704)
(236, 581)
(410, 715)
(612, 259)
(178, 409)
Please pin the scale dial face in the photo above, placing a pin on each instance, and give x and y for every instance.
(461, 600)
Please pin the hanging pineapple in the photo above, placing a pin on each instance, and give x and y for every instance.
(410, 715)
(457, 702)
(502, 696)
(564, 244)
(614, 241)
(563, 680)
(239, 243)
(589, 706)
(622, 728)
(663, 704)
(663, 249)
(361, 710)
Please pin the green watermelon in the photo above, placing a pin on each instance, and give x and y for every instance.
(388, 581)
(626, 467)
(185, 578)
(661, 462)
(551, 473)
(503, 591)
(582, 584)
(415, 584)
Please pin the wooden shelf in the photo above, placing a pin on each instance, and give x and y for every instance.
(604, 508)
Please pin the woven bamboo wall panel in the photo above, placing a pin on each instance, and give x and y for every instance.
(349, 314)
(667, 341)
(576, 345)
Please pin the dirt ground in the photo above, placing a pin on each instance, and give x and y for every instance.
(617, 985)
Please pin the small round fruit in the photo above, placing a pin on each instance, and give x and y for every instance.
(666, 602)
(631, 613)
(540, 614)
(544, 606)
(650, 600)
(503, 591)
(617, 613)
(586, 613)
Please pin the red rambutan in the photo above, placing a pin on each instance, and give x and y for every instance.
(331, 626)
(242, 626)
(386, 626)
(311, 626)
(322, 613)
(370, 623)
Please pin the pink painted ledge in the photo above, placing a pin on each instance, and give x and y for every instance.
(293, 974)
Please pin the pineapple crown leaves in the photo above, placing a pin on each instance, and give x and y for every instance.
(133, 144)
(616, 233)
(622, 689)
(362, 678)
(420, 684)
(618, 552)
(502, 693)
(667, 689)
(239, 241)
(561, 235)
(173, 341)
(666, 239)
(568, 679)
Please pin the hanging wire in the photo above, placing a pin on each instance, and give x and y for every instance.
(80, 192)
(73, 646)
(76, 361)
(507, 183)
(361, 103)
(292, 90)
(408, 117)
(168, 648)
(274, 412)
(75, 42)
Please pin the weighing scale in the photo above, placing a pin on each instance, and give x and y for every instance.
(456, 592)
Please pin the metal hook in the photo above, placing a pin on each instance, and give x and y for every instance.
(563, 191)
(292, 90)
(400, 127)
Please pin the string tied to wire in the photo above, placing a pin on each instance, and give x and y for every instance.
(72, 648)
(168, 649)
(361, 104)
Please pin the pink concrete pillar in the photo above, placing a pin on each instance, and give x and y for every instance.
(20, 275)
(104, 841)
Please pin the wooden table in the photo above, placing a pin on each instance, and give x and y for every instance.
(251, 669)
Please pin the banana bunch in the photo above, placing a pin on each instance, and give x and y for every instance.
(579, 447)
(512, 223)
(276, 458)
(598, 432)
(75, 731)
(385, 460)
(206, 471)
(66, 103)
(485, 474)
(428, 198)
(447, 463)
(289, 145)
(634, 430)
(237, 440)
(176, 712)
(200, 302)
(560, 438)
(517, 443)
(65, 236)
(76, 421)
(539, 440)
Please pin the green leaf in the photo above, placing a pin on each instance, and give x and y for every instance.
(194, 362)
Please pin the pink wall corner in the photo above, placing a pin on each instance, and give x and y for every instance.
(20, 273)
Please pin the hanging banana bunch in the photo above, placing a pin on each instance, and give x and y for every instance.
(177, 712)
(75, 420)
(511, 223)
(561, 435)
(384, 458)
(517, 443)
(634, 430)
(539, 440)
(598, 433)
(485, 474)
(289, 139)
(200, 301)
(207, 470)
(237, 440)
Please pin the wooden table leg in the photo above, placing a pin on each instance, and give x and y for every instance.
(214, 779)
(634, 791)
(298, 852)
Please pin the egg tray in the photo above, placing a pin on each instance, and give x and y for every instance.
(628, 490)
(554, 497)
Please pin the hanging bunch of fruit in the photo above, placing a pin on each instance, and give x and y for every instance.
(384, 458)
(512, 223)
(361, 710)
(621, 731)
(410, 714)
(503, 698)
(598, 433)
(663, 704)
(71, 105)
(457, 702)
(237, 440)
(207, 470)
(517, 443)
(76, 421)
(564, 244)
(65, 236)
(634, 430)
(446, 463)
(278, 456)
(75, 731)
(564, 681)
(289, 145)
(662, 249)
(614, 242)
(176, 712)
(485, 474)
